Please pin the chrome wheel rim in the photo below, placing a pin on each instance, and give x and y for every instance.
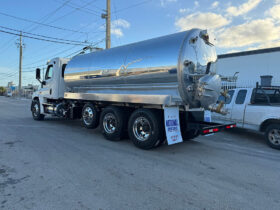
(274, 136)
(142, 129)
(109, 123)
(88, 115)
(36, 110)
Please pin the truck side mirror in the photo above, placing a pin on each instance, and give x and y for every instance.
(38, 74)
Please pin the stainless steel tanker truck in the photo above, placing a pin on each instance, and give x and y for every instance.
(153, 90)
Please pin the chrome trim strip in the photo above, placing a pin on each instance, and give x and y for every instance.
(166, 100)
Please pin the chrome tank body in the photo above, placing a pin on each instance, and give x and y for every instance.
(180, 65)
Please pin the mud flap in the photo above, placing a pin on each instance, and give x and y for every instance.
(172, 125)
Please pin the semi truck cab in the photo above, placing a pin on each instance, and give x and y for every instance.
(52, 81)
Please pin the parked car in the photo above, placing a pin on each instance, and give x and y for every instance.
(255, 109)
(9, 94)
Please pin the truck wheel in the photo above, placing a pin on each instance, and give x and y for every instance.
(188, 135)
(272, 135)
(90, 116)
(113, 123)
(36, 112)
(145, 128)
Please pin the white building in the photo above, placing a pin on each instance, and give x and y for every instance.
(250, 65)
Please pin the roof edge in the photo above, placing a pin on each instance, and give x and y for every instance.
(250, 52)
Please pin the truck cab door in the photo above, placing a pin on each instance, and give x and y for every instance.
(48, 86)
(238, 108)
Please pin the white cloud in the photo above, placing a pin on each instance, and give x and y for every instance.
(232, 51)
(201, 20)
(215, 4)
(163, 3)
(256, 31)
(118, 25)
(196, 4)
(243, 8)
(274, 12)
(184, 10)
(266, 45)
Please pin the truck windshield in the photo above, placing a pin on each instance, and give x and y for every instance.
(266, 96)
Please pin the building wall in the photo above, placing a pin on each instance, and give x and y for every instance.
(251, 65)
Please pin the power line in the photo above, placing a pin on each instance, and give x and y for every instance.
(33, 67)
(94, 6)
(13, 74)
(75, 45)
(79, 51)
(42, 19)
(46, 17)
(47, 40)
(134, 5)
(76, 9)
(63, 50)
(27, 66)
(43, 24)
(67, 40)
(87, 10)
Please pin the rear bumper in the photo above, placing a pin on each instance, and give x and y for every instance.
(205, 128)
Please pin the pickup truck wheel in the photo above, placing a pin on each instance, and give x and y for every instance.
(272, 135)
(188, 135)
(113, 123)
(36, 112)
(90, 116)
(145, 128)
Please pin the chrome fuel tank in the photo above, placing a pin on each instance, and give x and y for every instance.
(180, 65)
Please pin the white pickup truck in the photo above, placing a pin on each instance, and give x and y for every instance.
(255, 109)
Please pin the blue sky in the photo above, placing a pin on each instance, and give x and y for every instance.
(238, 25)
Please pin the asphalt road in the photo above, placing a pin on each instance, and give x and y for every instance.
(57, 164)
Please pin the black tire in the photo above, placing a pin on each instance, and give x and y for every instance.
(36, 110)
(113, 123)
(90, 116)
(149, 120)
(272, 135)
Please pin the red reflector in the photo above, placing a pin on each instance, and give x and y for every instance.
(206, 131)
(211, 130)
(230, 126)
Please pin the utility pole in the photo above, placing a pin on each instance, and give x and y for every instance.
(20, 63)
(107, 16)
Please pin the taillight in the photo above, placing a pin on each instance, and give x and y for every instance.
(211, 130)
(230, 126)
(206, 131)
